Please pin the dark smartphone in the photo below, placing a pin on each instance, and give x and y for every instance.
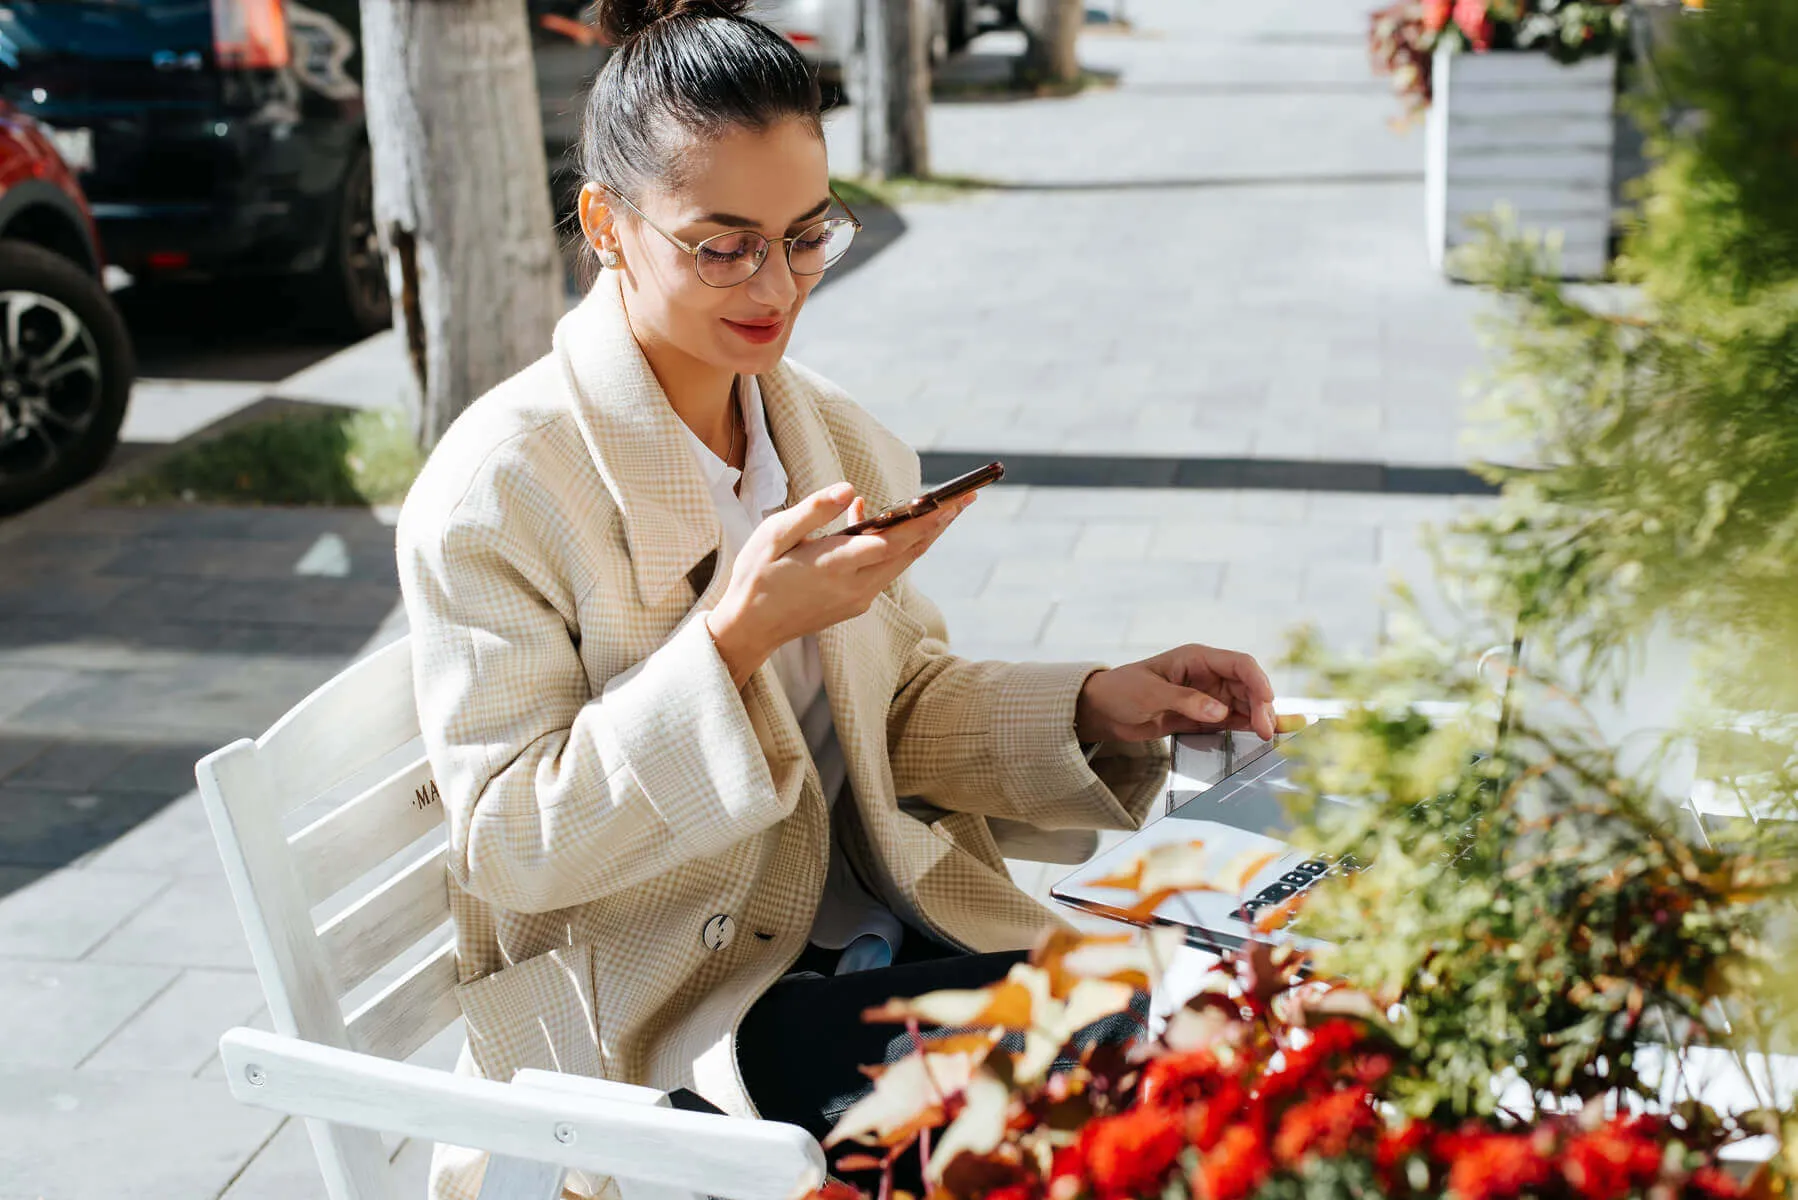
(930, 501)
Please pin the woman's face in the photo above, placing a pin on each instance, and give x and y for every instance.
(773, 181)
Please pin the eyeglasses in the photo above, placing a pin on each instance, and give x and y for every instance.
(727, 259)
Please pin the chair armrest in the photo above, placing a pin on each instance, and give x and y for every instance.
(603, 1128)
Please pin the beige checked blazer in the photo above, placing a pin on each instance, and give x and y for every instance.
(636, 848)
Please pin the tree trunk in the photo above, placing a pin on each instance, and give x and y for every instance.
(461, 194)
(894, 95)
(1051, 27)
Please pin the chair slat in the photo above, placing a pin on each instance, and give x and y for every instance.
(411, 1011)
(372, 932)
(348, 723)
(235, 789)
(360, 834)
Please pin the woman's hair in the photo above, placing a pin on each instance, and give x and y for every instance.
(685, 69)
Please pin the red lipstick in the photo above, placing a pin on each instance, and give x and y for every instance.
(760, 332)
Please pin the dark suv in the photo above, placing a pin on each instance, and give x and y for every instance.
(224, 137)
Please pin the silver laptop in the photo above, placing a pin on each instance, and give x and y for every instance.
(1240, 817)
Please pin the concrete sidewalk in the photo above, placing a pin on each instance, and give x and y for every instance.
(1221, 256)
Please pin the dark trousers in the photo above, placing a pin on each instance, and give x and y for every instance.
(802, 1046)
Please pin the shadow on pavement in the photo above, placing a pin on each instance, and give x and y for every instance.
(259, 331)
(133, 641)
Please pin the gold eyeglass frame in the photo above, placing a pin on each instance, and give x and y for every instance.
(768, 243)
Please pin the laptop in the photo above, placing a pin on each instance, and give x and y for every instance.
(1240, 818)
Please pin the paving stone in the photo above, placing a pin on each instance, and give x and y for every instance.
(206, 698)
(122, 1135)
(176, 841)
(179, 1030)
(71, 765)
(1109, 541)
(23, 686)
(950, 578)
(17, 751)
(158, 769)
(14, 878)
(1122, 583)
(985, 619)
(192, 924)
(64, 914)
(56, 1013)
(286, 1169)
(1271, 584)
(43, 827)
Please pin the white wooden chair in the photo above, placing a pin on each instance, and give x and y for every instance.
(334, 808)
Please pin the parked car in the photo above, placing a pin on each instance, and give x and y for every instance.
(65, 360)
(221, 138)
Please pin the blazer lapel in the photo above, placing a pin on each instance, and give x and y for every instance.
(857, 705)
(638, 444)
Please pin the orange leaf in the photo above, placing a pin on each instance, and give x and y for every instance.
(1005, 1004)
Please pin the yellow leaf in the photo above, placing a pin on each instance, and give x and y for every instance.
(1005, 1004)
(1243, 868)
(1178, 866)
(908, 1095)
(980, 1125)
(1134, 959)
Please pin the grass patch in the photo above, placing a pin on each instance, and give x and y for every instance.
(890, 193)
(332, 456)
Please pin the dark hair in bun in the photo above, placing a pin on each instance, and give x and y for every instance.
(685, 68)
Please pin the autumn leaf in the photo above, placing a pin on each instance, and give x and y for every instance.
(980, 1125)
(1005, 1004)
(1134, 959)
(1176, 867)
(908, 1096)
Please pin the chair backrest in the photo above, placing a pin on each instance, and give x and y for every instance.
(333, 811)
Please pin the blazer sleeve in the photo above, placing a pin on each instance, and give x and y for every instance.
(556, 796)
(997, 739)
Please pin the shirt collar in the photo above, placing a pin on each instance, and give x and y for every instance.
(764, 480)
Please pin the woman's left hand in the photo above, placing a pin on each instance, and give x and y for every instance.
(1189, 689)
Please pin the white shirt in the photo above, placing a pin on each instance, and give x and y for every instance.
(847, 910)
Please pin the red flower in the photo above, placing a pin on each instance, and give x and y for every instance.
(1328, 1041)
(1609, 1163)
(1179, 1079)
(1013, 1191)
(1207, 1120)
(1493, 1166)
(1711, 1182)
(1324, 1126)
(1475, 22)
(1435, 14)
(1394, 1150)
(1235, 1167)
(1130, 1154)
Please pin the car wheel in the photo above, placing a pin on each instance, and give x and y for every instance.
(65, 374)
(352, 283)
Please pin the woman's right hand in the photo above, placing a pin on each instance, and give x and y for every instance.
(786, 584)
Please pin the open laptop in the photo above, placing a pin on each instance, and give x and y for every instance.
(1238, 818)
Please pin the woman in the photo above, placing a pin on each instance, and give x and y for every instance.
(670, 713)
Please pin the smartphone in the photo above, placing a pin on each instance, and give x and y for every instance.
(930, 501)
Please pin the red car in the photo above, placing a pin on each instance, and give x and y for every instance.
(65, 359)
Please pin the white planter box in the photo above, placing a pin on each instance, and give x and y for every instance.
(1519, 128)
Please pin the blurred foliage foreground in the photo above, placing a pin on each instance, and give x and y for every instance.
(1563, 983)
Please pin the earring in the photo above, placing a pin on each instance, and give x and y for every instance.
(609, 258)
